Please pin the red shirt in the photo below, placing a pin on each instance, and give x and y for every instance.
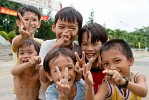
(98, 76)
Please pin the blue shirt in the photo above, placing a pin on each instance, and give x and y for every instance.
(52, 93)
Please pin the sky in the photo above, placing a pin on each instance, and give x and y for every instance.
(114, 14)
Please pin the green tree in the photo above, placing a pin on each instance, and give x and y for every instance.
(8, 22)
(91, 17)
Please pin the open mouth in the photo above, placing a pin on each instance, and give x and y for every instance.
(24, 61)
(90, 55)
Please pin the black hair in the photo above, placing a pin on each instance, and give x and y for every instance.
(54, 54)
(29, 8)
(117, 44)
(97, 31)
(29, 42)
(69, 14)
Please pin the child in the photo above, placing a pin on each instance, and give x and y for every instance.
(26, 75)
(28, 21)
(59, 66)
(90, 38)
(120, 82)
(67, 23)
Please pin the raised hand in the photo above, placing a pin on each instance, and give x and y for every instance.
(86, 72)
(35, 60)
(63, 86)
(24, 28)
(114, 77)
(80, 62)
(65, 37)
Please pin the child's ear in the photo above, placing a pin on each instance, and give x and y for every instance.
(18, 22)
(48, 76)
(53, 27)
(131, 61)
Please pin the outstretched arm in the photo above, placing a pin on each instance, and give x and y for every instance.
(139, 88)
(20, 68)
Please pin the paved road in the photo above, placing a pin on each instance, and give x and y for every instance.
(6, 83)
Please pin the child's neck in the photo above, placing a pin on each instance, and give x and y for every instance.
(69, 46)
(73, 92)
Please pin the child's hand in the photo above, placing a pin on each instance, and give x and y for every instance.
(24, 28)
(114, 77)
(65, 37)
(99, 62)
(63, 86)
(87, 74)
(80, 62)
(35, 60)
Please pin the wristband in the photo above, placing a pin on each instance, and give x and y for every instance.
(126, 83)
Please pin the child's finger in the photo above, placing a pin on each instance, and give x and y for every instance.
(83, 57)
(99, 61)
(89, 64)
(58, 72)
(66, 73)
(108, 72)
(29, 24)
(77, 57)
(21, 18)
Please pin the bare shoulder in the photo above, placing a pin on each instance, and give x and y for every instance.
(140, 78)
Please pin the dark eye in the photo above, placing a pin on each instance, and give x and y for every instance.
(26, 19)
(117, 61)
(70, 67)
(105, 64)
(60, 27)
(34, 20)
(84, 43)
(21, 53)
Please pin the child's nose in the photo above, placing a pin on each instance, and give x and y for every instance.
(90, 48)
(112, 67)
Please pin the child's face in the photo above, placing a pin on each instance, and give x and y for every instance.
(34, 24)
(61, 28)
(114, 60)
(62, 62)
(26, 52)
(90, 49)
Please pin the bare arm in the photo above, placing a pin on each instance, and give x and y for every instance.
(103, 91)
(139, 88)
(43, 77)
(18, 40)
(19, 69)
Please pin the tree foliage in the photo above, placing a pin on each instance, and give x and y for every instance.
(91, 17)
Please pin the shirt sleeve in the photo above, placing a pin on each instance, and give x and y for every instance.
(44, 49)
(51, 93)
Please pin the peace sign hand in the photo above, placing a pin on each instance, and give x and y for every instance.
(24, 28)
(63, 86)
(65, 37)
(80, 62)
(87, 74)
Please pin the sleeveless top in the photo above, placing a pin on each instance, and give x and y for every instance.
(117, 94)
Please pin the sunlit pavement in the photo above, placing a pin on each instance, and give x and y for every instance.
(6, 83)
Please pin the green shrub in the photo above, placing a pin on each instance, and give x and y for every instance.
(11, 34)
(4, 35)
